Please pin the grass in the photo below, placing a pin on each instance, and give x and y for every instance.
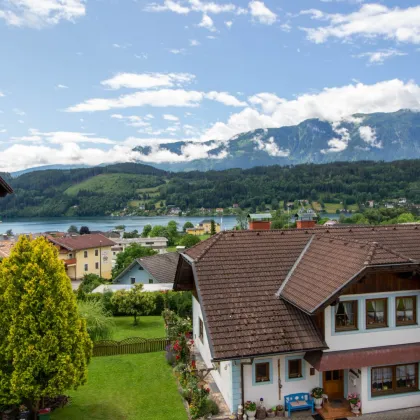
(332, 207)
(148, 327)
(129, 387)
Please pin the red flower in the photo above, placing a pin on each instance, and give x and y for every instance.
(177, 357)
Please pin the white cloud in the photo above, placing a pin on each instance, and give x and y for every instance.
(131, 120)
(194, 43)
(225, 98)
(168, 6)
(262, 13)
(121, 46)
(207, 23)
(211, 37)
(40, 13)
(2, 94)
(229, 23)
(177, 51)
(3, 130)
(371, 20)
(368, 135)
(18, 111)
(211, 7)
(170, 117)
(155, 98)
(147, 80)
(378, 57)
(338, 144)
(61, 137)
(270, 147)
(62, 86)
(141, 56)
(331, 104)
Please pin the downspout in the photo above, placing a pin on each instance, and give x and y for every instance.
(242, 380)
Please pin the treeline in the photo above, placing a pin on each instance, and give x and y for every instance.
(44, 193)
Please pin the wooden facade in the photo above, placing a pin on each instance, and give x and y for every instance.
(385, 281)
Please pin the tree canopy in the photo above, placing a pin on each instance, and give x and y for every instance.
(126, 257)
(189, 240)
(44, 344)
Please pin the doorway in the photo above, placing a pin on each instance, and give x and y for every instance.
(333, 384)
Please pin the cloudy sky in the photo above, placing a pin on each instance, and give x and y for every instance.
(84, 81)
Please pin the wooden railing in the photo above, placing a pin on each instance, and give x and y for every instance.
(131, 345)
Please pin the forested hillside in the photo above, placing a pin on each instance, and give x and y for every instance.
(103, 190)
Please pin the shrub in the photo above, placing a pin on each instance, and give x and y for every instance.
(99, 324)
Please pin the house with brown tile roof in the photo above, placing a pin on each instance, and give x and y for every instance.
(84, 254)
(277, 312)
(159, 268)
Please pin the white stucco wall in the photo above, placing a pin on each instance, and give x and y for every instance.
(270, 392)
(364, 338)
(385, 403)
(222, 376)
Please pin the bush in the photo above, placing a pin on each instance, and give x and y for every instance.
(189, 240)
(99, 323)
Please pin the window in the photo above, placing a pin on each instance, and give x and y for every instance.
(70, 255)
(376, 313)
(85, 254)
(86, 267)
(295, 368)
(97, 265)
(150, 281)
(132, 280)
(394, 379)
(262, 372)
(96, 252)
(140, 267)
(201, 329)
(405, 310)
(346, 315)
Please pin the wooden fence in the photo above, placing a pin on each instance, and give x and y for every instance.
(129, 346)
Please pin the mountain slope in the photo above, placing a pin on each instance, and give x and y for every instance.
(380, 136)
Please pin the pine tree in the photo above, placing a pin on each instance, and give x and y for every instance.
(44, 345)
(212, 227)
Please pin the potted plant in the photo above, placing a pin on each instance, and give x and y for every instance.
(271, 412)
(251, 409)
(317, 394)
(355, 402)
(279, 410)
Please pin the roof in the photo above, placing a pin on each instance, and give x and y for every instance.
(207, 221)
(373, 356)
(326, 265)
(5, 188)
(238, 273)
(161, 266)
(5, 248)
(256, 216)
(80, 242)
(146, 287)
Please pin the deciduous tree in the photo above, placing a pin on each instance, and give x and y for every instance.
(126, 257)
(44, 345)
(189, 240)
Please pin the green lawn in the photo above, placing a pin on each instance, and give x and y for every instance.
(148, 327)
(129, 387)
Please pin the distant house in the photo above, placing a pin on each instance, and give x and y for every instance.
(159, 268)
(219, 210)
(196, 231)
(203, 228)
(157, 243)
(402, 201)
(371, 203)
(330, 223)
(85, 254)
(235, 205)
(389, 205)
(5, 188)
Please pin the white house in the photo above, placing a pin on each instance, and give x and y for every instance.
(281, 312)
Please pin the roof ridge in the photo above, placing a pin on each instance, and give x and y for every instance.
(209, 243)
(398, 254)
(345, 239)
(371, 252)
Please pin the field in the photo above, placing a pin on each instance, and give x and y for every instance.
(115, 183)
(148, 327)
(128, 387)
(332, 207)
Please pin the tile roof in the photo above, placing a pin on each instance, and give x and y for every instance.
(5, 188)
(161, 266)
(238, 273)
(80, 242)
(326, 265)
(5, 248)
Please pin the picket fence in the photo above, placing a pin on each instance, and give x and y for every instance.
(131, 345)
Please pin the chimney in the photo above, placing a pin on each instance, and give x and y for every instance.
(305, 220)
(259, 221)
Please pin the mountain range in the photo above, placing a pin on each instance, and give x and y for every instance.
(376, 137)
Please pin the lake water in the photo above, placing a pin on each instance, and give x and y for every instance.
(107, 223)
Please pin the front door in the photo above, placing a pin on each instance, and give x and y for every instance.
(333, 384)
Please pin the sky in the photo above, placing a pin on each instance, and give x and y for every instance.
(86, 81)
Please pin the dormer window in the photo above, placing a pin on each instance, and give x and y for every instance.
(405, 310)
(377, 313)
(346, 315)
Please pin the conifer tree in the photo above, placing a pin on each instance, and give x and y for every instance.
(44, 345)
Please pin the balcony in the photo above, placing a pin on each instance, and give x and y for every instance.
(69, 262)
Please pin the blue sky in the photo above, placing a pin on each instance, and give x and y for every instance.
(83, 82)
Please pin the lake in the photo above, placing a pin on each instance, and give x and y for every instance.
(107, 223)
